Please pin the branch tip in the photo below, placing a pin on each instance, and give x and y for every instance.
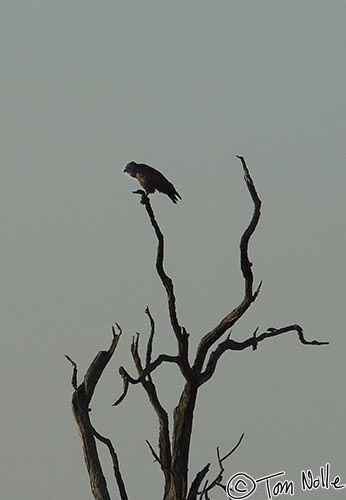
(257, 291)
(74, 381)
(255, 343)
(126, 384)
(120, 331)
(155, 455)
(208, 486)
(144, 197)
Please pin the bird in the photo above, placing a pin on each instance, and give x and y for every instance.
(151, 179)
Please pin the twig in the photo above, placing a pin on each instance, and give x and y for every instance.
(219, 477)
(156, 457)
(193, 492)
(151, 337)
(75, 372)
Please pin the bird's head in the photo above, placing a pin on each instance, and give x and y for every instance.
(130, 168)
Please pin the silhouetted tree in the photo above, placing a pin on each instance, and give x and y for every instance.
(196, 370)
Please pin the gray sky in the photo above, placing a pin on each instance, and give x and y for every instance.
(184, 86)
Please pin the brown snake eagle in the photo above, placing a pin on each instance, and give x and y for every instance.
(151, 179)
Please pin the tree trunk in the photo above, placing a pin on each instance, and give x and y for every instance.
(97, 480)
(183, 418)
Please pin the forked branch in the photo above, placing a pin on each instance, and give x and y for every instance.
(144, 377)
(195, 491)
(249, 296)
(180, 332)
(80, 406)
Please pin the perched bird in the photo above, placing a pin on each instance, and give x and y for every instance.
(151, 179)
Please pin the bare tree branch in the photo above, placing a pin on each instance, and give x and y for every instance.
(80, 406)
(100, 362)
(219, 477)
(74, 381)
(193, 491)
(156, 457)
(135, 354)
(126, 384)
(180, 333)
(151, 336)
(233, 449)
(230, 319)
(245, 263)
(273, 332)
(115, 462)
(253, 342)
(162, 358)
(145, 379)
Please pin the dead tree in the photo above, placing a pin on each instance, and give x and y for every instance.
(174, 448)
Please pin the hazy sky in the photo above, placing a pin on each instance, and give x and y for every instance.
(184, 86)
